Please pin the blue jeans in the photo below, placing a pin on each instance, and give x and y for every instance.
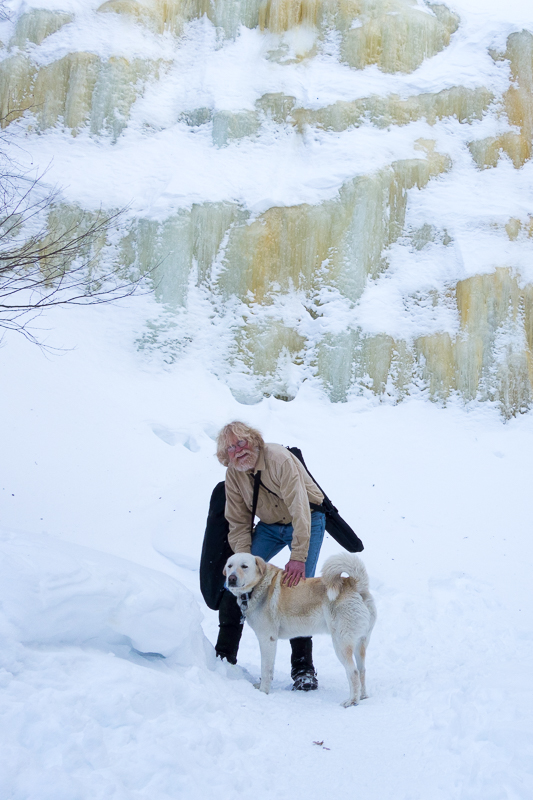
(268, 540)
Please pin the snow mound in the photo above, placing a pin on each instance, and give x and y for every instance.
(56, 593)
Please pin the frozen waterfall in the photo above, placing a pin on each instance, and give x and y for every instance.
(336, 189)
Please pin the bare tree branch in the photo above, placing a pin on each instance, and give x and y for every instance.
(47, 260)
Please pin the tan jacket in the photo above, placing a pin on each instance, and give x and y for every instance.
(285, 476)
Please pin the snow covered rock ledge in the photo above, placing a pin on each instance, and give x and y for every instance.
(53, 592)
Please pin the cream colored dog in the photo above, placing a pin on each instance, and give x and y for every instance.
(331, 604)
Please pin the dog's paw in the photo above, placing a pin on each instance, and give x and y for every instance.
(349, 702)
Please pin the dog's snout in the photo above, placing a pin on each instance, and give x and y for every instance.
(232, 580)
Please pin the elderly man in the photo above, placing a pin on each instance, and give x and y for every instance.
(289, 510)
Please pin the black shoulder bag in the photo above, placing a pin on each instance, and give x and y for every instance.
(215, 548)
(337, 528)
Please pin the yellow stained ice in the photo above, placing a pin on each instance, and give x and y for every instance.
(465, 105)
(269, 349)
(341, 240)
(16, 82)
(493, 353)
(187, 240)
(282, 15)
(351, 362)
(488, 357)
(305, 248)
(281, 267)
(397, 35)
(517, 106)
(337, 242)
(394, 34)
(78, 89)
(158, 15)
(34, 26)
(383, 111)
(81, 89)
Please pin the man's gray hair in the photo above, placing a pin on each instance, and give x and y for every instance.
(241, 431)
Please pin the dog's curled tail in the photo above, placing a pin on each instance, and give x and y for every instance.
(349, 563)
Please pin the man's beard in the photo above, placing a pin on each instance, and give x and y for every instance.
(247, 461)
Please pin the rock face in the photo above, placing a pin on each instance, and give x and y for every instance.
(384, 280)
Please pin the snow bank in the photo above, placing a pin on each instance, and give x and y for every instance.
(57, 593)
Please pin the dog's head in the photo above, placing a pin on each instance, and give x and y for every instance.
(243, 571)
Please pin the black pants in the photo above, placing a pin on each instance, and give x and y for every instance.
(230, 628)
(230, 632)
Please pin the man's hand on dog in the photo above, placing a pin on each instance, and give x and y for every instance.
(294, 573)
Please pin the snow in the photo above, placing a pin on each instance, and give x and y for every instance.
(107, 470)
(109, 688)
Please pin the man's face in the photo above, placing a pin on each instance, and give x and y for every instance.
(241, 455)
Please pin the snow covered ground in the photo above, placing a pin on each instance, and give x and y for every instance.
(107, 468)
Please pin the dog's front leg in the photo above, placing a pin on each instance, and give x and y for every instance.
(268, 645)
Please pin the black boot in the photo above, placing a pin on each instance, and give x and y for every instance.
(302, 669)
(230, 628)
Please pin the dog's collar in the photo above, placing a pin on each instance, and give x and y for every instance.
(244, 599)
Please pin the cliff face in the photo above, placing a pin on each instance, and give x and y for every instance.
(326, 188)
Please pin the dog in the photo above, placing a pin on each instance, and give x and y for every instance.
(331, 604)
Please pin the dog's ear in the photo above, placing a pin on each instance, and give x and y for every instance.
(224, 571)
(261, 565)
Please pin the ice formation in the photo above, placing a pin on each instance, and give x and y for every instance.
(353, 257)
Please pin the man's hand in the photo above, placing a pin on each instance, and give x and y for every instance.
(294, 573)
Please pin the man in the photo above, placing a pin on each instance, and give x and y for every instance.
(288, 507)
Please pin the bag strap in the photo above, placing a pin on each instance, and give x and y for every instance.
(327, 505)
(314, 506)
(257, 483)
(268, 490)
